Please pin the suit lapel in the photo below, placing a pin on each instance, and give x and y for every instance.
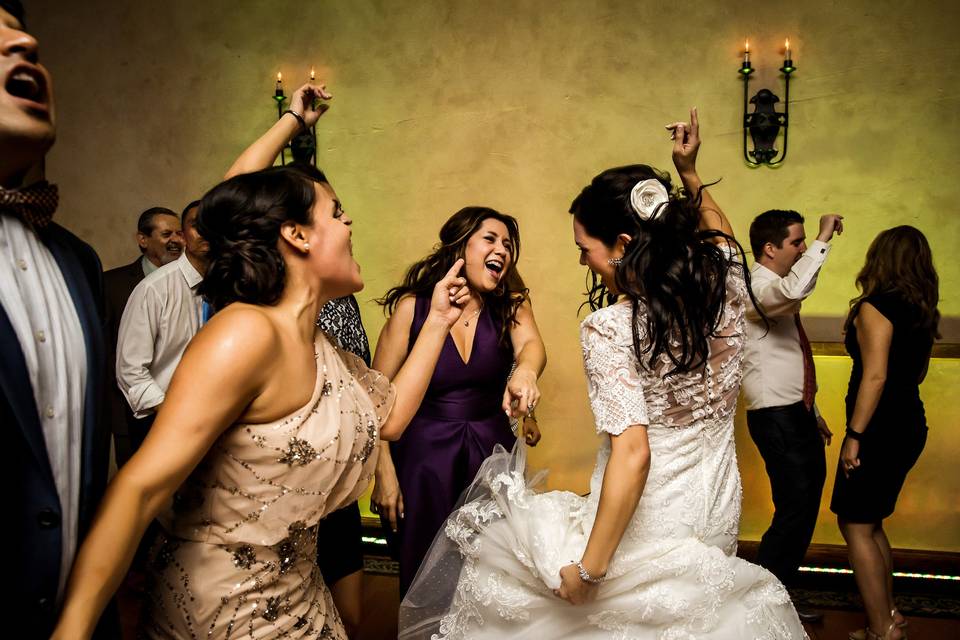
(85, 305)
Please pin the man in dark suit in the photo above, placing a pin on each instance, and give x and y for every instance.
(51, 352)
(160, 241)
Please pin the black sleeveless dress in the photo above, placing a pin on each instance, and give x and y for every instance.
(897, 432)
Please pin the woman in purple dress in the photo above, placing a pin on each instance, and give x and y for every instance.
(472, 395)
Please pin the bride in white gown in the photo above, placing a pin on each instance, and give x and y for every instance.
(650, 553)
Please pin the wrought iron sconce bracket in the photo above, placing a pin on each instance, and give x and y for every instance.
(303, 147)
(764, 123)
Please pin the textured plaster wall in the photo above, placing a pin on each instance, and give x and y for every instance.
(516, 105)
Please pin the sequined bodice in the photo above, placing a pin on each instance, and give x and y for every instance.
(259, 479)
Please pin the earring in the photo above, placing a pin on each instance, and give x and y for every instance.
(615, 262)
(306, 246)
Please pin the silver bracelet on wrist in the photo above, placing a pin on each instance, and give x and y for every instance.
(303, 124)
(586, 577)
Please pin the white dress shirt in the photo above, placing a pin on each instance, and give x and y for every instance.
(163, 314)
(35, 297)
(147, 266)
(773, 359)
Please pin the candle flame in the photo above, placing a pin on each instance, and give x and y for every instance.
(746, 46)
(279, 77)
(312, 75)
(786, 44)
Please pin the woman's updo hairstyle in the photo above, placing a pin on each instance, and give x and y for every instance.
(673, 268)
(241, 219)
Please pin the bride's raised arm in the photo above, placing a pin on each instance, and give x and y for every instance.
(686, 144)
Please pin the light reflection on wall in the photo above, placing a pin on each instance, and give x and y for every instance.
(928, 511)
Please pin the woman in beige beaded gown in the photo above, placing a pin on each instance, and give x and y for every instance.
(266, 427)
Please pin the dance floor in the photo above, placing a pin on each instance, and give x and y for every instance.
(940, 619)
(931, 616)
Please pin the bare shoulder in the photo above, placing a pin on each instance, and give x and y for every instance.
(405, 307)
(242, 336)
(869, 317)
(874, 330)
(402, 316)
(525, 309)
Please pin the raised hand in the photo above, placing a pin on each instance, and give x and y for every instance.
(307, 101)
(450, 295)
(830, 224)
(686, 143)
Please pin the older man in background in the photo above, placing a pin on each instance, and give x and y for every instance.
(160, 242)
(163, 314)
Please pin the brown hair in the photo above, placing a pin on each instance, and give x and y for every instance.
(899, 261)
(423, 275)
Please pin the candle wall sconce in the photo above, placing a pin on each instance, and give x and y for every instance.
(764, 123)
(303, 147)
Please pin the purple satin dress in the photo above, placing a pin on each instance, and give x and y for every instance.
(455, 429)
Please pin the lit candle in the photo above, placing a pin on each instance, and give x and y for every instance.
(279, 92)
(313, 75)
(786, 46)
(746, 52)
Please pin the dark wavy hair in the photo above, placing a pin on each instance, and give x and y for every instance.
(899, 261)
(241, 219)
(422, 276)
(673, 269)
(15, 8)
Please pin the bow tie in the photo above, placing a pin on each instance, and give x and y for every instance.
(33, 204)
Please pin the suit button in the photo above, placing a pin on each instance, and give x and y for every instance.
(45, 604)
(48, 519)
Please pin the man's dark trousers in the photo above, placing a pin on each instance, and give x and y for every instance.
(794, 455)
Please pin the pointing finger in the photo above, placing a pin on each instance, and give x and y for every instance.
(455, 269)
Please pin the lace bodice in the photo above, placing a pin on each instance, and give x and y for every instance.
(689, 420)
(623, 392)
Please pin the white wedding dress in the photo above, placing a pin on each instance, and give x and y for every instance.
(675, 576)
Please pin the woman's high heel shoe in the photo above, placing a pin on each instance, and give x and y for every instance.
(861, 634)
(903, 623)
(872, 635)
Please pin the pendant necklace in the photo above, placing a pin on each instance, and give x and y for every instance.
(476, 313)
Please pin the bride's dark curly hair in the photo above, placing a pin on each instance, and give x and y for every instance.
(675, 270)
(241, 219)
(423, 275)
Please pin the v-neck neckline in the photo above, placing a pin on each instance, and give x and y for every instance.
(473, 342)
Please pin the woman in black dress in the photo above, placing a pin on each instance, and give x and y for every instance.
(889, 334)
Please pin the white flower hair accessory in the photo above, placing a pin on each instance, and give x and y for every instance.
(648, 198)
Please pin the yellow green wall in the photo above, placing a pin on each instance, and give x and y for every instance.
(516, 105)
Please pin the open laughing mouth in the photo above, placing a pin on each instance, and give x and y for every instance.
(27, 83)
(494, 268)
